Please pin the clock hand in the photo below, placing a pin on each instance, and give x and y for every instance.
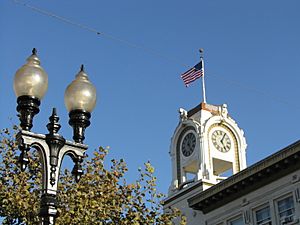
(222, 139)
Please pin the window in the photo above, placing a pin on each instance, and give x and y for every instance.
(263, 216)
(286, 210)
(237, 221)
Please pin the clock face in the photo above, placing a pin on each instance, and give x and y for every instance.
(188, 144)
(221, 140)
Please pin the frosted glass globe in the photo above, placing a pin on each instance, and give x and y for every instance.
(81, 93)
(31, 79)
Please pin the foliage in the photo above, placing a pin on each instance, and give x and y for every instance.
(101, 197)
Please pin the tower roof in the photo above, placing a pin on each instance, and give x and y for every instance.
(214, 109)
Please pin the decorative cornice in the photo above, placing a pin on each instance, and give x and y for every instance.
(259, 174)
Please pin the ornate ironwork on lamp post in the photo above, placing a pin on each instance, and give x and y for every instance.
(30, 85)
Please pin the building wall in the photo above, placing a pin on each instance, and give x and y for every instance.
(268, 195)
(244, 207)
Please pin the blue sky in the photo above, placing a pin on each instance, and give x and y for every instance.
(252, 53)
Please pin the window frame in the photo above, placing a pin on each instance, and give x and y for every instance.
(276, 207)
(228, 221)
(263, 206)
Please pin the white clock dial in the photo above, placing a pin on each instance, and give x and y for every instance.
(221, 140)
(188, 144)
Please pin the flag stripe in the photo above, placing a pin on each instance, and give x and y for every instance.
(193, 74)
(192, 78)
(186, 74)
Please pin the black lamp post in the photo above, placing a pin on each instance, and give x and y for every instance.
(30, 85)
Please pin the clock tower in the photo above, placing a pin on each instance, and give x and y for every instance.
(207, 146)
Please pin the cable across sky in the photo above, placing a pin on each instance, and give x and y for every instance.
(144, 49)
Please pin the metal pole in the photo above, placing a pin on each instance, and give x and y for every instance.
(203, 82)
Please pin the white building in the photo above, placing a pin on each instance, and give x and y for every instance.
(207, 146)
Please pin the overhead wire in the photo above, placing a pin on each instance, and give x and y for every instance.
(95, 31)
(133, 45)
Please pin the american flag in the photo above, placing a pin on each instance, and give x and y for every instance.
(193, 74)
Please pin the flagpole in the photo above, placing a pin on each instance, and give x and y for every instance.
(203, 82)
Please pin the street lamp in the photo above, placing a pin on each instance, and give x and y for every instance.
(30, 86)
